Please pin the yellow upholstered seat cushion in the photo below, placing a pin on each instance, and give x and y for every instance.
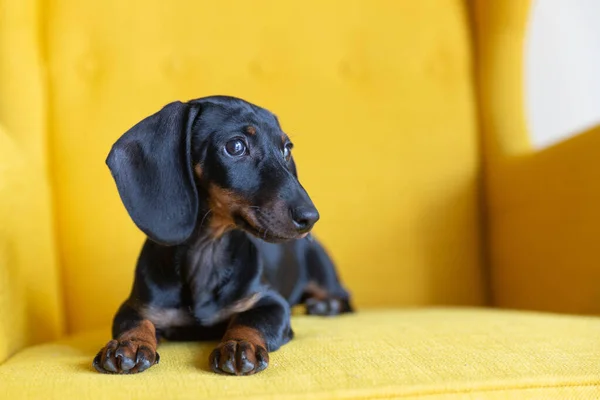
(431, 353)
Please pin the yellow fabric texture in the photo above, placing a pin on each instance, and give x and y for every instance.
(30, 298)
(376, 95)
(542, 205)
(380, 99)
(431, 354)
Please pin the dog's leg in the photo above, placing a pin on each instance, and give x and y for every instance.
(323, 293)
(251, 335)
(133, 348)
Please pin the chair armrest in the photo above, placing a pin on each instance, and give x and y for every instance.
(545, 228)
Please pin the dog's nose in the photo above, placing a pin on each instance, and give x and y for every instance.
(304, 218)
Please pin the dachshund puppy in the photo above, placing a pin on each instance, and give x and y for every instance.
(213, 185)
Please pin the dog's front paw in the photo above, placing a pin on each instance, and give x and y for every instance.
(327, 307)
(238, 357)
(126, 357)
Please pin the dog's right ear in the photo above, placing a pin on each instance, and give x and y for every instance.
(152, 167)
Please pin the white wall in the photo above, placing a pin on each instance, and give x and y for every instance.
(562, 69)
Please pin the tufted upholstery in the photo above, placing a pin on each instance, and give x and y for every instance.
(364, 152)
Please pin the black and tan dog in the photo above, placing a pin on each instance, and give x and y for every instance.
(213, 184)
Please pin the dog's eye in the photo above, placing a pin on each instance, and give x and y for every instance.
(235, 147)
(287, 152)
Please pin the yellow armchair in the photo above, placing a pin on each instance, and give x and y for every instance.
(470, 255)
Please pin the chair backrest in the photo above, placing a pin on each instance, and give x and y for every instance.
(378, 97)
(31, 309)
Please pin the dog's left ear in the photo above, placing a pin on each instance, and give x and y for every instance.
(152, 167)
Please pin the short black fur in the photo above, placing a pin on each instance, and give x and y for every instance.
(229, 249)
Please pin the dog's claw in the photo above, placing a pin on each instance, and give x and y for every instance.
(326, 307)
(125, 357)
(238, 357)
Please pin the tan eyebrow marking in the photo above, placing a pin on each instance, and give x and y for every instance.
(251, 130)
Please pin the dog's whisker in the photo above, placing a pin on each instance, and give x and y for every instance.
(263, 220)
(203, 218)
(261, 213)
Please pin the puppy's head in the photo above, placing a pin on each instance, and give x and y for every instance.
(211, 164)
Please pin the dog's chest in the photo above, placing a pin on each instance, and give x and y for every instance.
(218, 288)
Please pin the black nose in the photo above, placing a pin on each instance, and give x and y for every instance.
(304, 218)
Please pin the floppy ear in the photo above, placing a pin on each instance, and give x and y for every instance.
(152, 167)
